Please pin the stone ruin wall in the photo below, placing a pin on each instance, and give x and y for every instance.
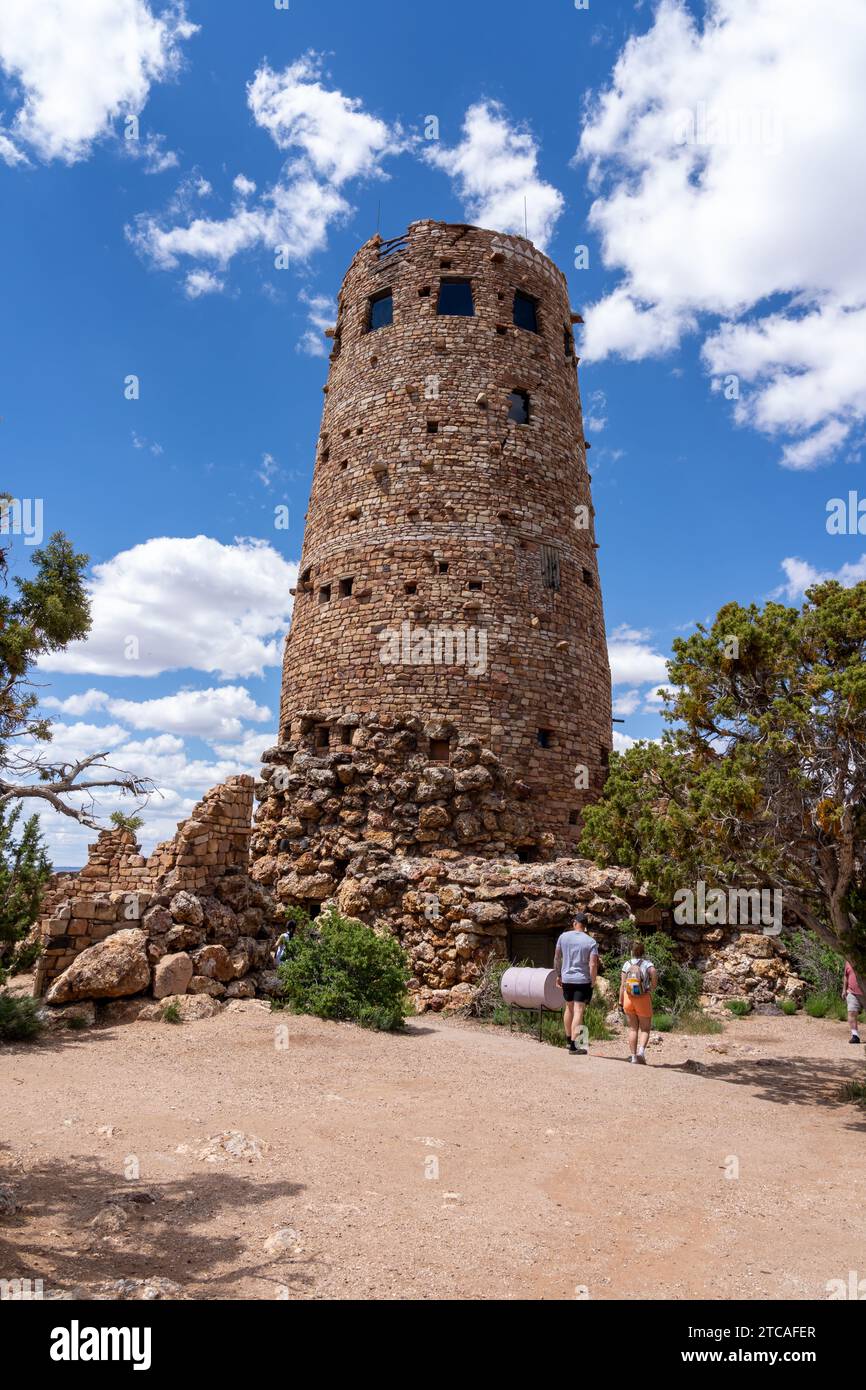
(429, 507)
(192, 898)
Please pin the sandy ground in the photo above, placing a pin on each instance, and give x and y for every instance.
(454, 1161)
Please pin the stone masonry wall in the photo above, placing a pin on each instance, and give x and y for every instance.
(432, 511)
(118, 886)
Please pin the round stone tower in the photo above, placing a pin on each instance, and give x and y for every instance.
(448, 574)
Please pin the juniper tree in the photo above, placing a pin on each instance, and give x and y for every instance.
(760, 778)
(41, 613)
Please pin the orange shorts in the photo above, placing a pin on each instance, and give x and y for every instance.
(641, 1005)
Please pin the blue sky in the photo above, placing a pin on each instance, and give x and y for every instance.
(723, 359)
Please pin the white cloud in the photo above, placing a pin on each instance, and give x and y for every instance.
(338, 140)
(632, 659)
(267, 471)
(77, 65)
(800, 575)
(720, 185)
(594, 417)
(495, 167)
(174, 603)
(199, 282)
(322, 314)
(77, 704)
(215, 713)
(335, 141)
(626, 703)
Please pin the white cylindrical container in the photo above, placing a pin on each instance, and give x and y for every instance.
(530, 988)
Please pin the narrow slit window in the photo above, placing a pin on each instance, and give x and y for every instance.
(323, 736)
(550, 570)
(568, 342)
(440, 750)
(346, 734)
(325, 594)
(574, 817)
(605, 757)
(587, 577)
(381, 311)
(346, 587)
(525, 311)
(518, 407)
(455, 299)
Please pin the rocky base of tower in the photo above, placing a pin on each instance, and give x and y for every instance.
(435, 853)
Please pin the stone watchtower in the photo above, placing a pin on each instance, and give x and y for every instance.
(448, 608)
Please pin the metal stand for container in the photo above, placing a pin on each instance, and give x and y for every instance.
(541, 1011)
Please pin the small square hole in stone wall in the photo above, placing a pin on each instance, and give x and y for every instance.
(432, 426)
(424, 292)
(323, 736)
(326, 454)
(445, 265)
(440, 750)
(344, 465)
(325, 594)
(527, 854)
(346, 734)
(476, 585)
(442, 567)
(587, 577)
(605, 757)
(574, 817)
(411, 587)
(346, 587)
(545, 738)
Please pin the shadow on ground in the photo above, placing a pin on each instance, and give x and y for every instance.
(786, 1081)
(173, 1237)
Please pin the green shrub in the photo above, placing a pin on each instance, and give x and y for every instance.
(19, 1018)
(695, 1021)
(826, 1004)
(816, 962)
(855, 1091)
(338, 968)
(663, 1023)
(171, 1014)
(789, 1007)
(739, 1007)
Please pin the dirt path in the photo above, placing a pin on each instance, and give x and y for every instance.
(454, 1161)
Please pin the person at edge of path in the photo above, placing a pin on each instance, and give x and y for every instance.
(576, 966)
(855, 997)
(637, 982)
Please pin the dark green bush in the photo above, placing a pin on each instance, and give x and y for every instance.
(739, 1007)
(338, 968)
(19, 1018)
(826, 1003)
(788, 1006)
(816, 962)
(663, 1023)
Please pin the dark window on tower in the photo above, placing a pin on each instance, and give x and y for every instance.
(587, 577)
(574, 818)
(550, 567)
(455, 298)
(346, 587)
(476, 584)
(527, 854)
(518, 407)
(325, 594)
(442, 567)
(568, 341)
(305, 576)
(605, 757)
(440, 750)
(381, 311)
(411, 587)
(432, 426)
(323, 736)
(525, 311)
(545, 738)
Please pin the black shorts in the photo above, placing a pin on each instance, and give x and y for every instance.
(581, 993)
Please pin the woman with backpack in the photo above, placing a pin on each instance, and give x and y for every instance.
(638, 980)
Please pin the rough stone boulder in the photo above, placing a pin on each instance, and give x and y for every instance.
(172, 975)
(185, 907)
(190, 1008)
(109, 969)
